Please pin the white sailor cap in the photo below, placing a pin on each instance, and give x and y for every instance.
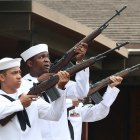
(7, 63)
(34, 50)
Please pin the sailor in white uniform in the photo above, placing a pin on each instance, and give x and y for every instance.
(90, 112)
(56, 130)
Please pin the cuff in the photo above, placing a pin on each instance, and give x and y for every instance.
(18, 105)
(110, 96)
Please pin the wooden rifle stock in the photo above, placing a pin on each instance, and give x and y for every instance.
(4, 121)
(53, 80)
(99, 85)
(69, 55)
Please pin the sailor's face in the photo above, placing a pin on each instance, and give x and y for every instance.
(41, 62)
(12, 78)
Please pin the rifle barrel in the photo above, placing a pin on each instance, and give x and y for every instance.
(117, 47)
(117, 13)
(135, 67)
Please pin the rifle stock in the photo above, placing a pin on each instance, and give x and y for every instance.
(4, 121)
(69, 55)
(99, 85)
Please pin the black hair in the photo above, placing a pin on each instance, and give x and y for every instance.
(3, 71)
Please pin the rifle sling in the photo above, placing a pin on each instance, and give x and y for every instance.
(96, 97)
(52, 93)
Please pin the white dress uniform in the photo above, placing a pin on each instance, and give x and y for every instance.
(92, 113)
(59, 130)
(37, 109)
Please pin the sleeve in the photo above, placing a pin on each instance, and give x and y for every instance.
(69, 103)
(52, 111)
(92, 113)
(101, 110)
(110, 96)
(80, 88)
(7, 108)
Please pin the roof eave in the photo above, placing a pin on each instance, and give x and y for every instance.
(71, 24)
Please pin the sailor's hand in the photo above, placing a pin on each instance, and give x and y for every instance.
(44, 77)
(116, 80)
(63, 79)
(75, 102)
(26, 100)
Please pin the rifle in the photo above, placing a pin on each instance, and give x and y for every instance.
(99, 85)
(69, 55)
(53, 80)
